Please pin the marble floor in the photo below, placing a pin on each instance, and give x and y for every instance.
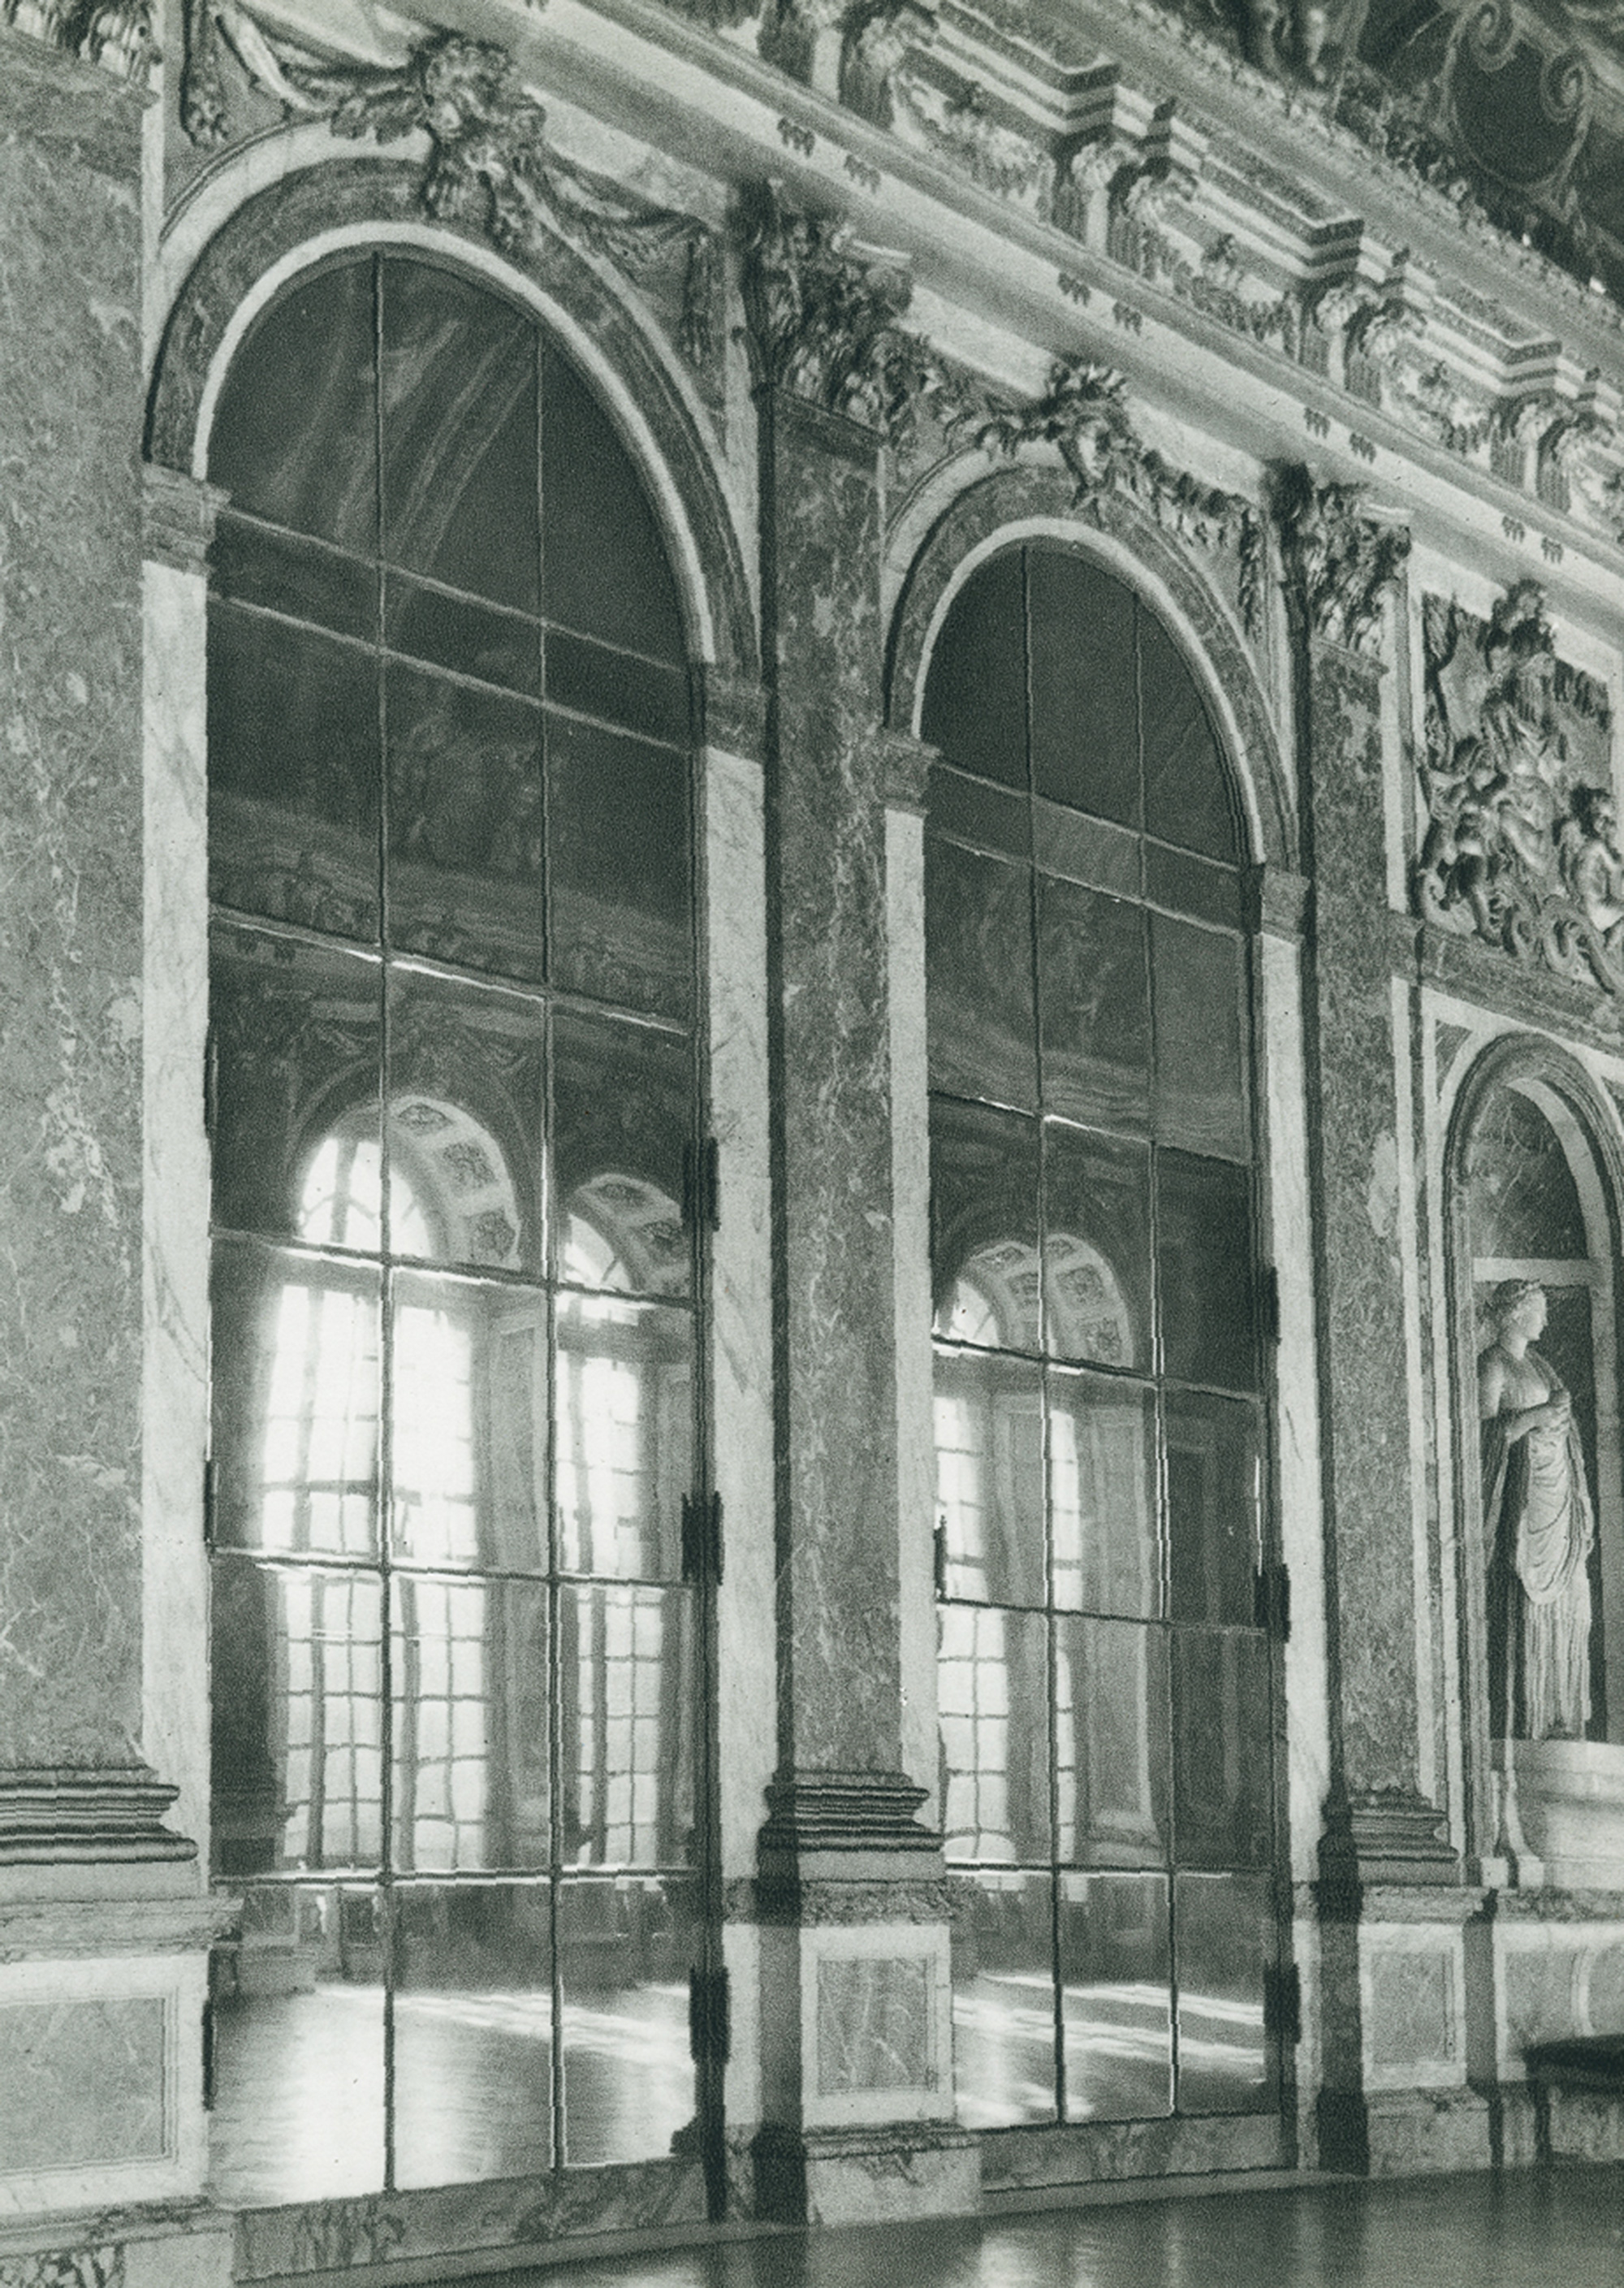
(1548, 2228)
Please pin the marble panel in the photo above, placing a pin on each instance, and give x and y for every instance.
(199, 2260)
(1428, 2133)
(1105, 2152)
(1413, 2029)
(66, 2267)
(70, 934)
(1365, 1398)
(875, 2015)
(832, 1077)
(85, 2083)
(874, 2025)
(884, 2181)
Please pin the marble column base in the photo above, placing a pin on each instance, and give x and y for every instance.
(50, 1814)
(865, 2176)
(1393, 1836)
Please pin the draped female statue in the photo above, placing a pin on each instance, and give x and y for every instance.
(1539, 1525)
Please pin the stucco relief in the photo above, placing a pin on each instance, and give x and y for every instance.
(1521, 845)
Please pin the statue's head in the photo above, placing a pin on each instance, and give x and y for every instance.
(1517, 1303)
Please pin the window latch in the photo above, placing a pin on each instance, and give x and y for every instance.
(702, 1539)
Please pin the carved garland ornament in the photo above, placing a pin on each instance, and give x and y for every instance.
(491, 164)
(1341, 561)
(1521, 847)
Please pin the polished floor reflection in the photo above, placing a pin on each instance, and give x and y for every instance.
(1523, 2230)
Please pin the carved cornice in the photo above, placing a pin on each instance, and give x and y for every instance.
(1340, 561)
(491, 163)
(1521, 847)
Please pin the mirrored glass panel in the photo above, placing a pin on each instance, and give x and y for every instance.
(1116, 2011)
(299, 2046)
(1223, 1740)
(254, 563)
(989, 1477)
(623, 1398)
(467, 838)
(620, 879)
(625, 1951)
(606, 571)
(1213, 1493)
(294, 437)
(469, 1673)
(992, 1681)
(474, 2033)
(1204, 1266)
(985, 817)
(1085, 727)
(1111, 1743)
(622, 1115)
(297, 1718)
(975, 706)
(472, 639)
(1186, 789)
(459, 427)
(1200, 1063)
(984, 1226)
(1003, 2007)
(617, 686)
(1095, 1248)
(978, 952)
(1105, 1536)
(627, 1682)
(466, 1109)
(469, 1448)
(295, 1394)
(1223, 1940)
(294, 776)
(1095, 1031)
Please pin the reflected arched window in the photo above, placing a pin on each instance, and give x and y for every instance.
(1104, 1690)
(454, 1054)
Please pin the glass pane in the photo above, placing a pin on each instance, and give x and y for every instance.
(1223, 1937)
(992, 1686)
(470, 1687)
(255, 564)
(1186, 787)
(296, 1403)
(978, 961)
(1095, 1006)
(466, 1109)
(1003, 1999)
(1087, 849)
(1193, 885)
(473, 2032)
(1111, 1743)
(470, 1442)
(1222, 1743)
(607, 570)
(622, 1117)
(1095, 1248)
(989, 1476)
(1524, 1204)
(1212, 1507)
(626, 1755)
(624, 1401)
(298, 2047)
(618, 841)
(625, 1951)
(470, 638)
(984, 1226)
(294, 438)
(971, 811)
(1204, 1262)
(1102, 1496)
(298, 1717)
(975, 707)
(1200, 1089)
(293, 775)
(459, 434)
(466, 836)
(1114, 2004)
(1085, 725)
(592, 679)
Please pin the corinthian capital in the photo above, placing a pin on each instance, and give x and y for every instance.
(1341, 561)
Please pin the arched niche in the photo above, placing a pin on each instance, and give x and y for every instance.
(1532, 1184)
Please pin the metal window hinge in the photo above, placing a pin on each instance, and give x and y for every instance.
(1271, 1601)
(1268, 1303)
(208, 1500)
(702, 1537)
(709, 2029)
(208, 2053)
(939, 1546)
(211, 1082)
(702, 1184)
(1283, 2003)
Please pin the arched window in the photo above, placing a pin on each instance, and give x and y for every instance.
(454, 1081)
(1104, 1691)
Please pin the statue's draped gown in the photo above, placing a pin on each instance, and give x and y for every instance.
(1537, 1513)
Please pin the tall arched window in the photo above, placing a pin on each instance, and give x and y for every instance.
(1104, 1691)
(453, 1079)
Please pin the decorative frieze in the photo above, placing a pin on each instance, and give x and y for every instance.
(1341, 560)
(1521, 847)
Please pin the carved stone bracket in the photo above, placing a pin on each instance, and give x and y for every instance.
(491, 164)
(1521, 845)
(1340, 562)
